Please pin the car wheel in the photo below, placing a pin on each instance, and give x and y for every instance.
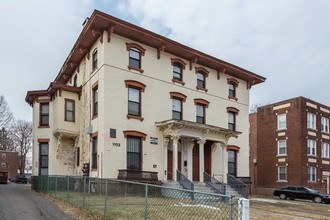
(282, 196)
(318, 199)
(291, 198)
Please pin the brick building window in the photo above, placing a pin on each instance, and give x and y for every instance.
(311, 120)
(325, 150)
(311, 174)
(325, 124)
(281, 121)
(282, 173)
(281, 147)
(311, 147)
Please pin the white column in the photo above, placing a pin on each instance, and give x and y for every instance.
(224, 162)
(190, 160)
(175, 155)
(165, 150)
(201, 160)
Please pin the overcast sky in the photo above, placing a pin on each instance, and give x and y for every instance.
(286, 41)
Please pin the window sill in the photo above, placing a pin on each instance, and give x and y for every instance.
(94, 169)
(325, 132)
(232, 97)
(281, 129)
(43, 126)
(178, 81)
(325, 158)
(200, 88)
(312, 129)
(95, 116)
(313, 156)
(135, 117)
(281, 155)
(136, 69)
(309, 181)
(281, 181)
(69, 121)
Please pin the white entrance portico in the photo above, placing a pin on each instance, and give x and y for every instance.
(193, 148)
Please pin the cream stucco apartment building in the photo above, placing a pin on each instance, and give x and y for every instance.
(127, 99)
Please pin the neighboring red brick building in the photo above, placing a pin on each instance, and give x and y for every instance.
(9, 162)
(289, 145)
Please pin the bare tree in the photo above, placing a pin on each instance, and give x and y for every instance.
(21, 135)
(6, 116)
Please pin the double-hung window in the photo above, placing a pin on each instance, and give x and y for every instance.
(95, 101)
(282, 173)
(281, 121)
(311, 147)
(281, 147)
(325, 150)
(311, 120)
(134, 152)
(177, 72)
(94, 60)
(135, 58)
(44, 114)
(200, 80)
(231, 90)
(177, 109)
(94, 152)
(231, 121)
(325, 124)
(43, 158)
(311, 174)
(134, 107)
(69, 110)
(200, 113)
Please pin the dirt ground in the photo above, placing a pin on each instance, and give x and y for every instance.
(272, 208)
(261, 208)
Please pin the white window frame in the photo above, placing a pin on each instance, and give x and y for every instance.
(311, 120)
(311, 174)
(281, 144)
(325, 150)
(325, 124)
(279, 173)
(311, 147)
(281, 121)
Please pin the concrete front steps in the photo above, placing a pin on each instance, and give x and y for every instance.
(201, 187)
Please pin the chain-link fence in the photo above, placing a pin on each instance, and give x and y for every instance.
(130, 200)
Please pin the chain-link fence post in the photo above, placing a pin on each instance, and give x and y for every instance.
(84, 192)
(146, 202)
(67, 187)
(55, 186)
(40, 184)
(105, 198)
(230, 203)
(47, 189)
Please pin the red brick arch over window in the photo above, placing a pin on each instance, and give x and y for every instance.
(135, 46)
(201, 102)
(179, 62)
(232, 81)
(233, 148)
(233, 110)
(178, 95)
(134, 133)
(136, 84)
(202, 70)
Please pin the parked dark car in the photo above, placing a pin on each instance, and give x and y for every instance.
(301, 192)
(21, 179)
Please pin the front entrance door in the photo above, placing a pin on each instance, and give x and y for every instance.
(170, 164)
(208, 157)
(196, 163)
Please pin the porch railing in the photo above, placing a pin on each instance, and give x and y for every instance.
(184, 181)
(214, 184)
(238, 185)
(139, 176)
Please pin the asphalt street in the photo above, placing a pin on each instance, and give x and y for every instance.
(17, 202)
